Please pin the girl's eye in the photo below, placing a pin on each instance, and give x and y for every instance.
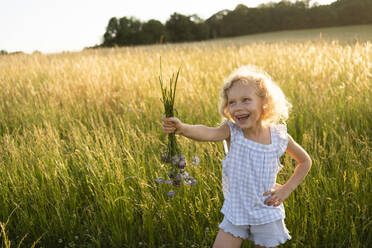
(231, 103)
(246, 99)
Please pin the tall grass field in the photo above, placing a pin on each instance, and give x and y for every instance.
(81, 141)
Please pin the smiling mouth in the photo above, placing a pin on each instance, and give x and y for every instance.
(242, 117)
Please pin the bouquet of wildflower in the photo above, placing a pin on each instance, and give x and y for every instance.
(172, 156)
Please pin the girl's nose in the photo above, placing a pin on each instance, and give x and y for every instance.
(237, 106)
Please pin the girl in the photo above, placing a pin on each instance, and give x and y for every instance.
(253, 106)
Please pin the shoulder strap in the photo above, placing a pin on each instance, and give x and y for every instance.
(233, 130)
(280, 131)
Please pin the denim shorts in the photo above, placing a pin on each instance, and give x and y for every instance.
(268, 235)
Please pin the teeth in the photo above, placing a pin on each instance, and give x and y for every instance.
(242, 116)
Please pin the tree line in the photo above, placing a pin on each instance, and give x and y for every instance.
(283, 15)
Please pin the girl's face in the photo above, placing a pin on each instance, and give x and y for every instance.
(244, 105)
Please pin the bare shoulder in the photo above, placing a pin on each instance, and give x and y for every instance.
(222, 132)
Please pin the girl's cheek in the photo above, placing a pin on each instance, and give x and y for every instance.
(231, 109)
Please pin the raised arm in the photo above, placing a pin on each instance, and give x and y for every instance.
(196, 132)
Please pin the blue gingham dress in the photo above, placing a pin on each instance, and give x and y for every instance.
(248, 171)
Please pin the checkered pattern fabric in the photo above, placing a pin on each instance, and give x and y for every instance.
(249, 170)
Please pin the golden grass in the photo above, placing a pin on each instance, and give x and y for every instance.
(81, 142)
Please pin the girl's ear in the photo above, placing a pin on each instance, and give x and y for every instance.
(264, 103)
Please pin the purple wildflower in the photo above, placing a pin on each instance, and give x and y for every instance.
(194, 182)
(171, 193)
(159, 180)
(189, 180)
(182, 158)
(168, 182)
(177, 182)
(175, 160)
(184, 174)
(182, 164)
(196, 160)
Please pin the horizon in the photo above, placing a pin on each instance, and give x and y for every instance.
(53, 27)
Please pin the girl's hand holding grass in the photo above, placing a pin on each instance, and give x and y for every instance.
(172, 156)
(172, 125)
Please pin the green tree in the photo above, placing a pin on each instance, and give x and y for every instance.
(123, 31)
(112, 30)
(353, 12)
(129, 31)
(200, 29)
(323, 16)
(234, 22)
(179, 28)
(153, 32)
(215, 23)
(242, 20)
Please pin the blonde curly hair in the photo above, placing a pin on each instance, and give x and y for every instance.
(276, 107)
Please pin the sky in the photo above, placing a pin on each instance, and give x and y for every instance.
(52, 26)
